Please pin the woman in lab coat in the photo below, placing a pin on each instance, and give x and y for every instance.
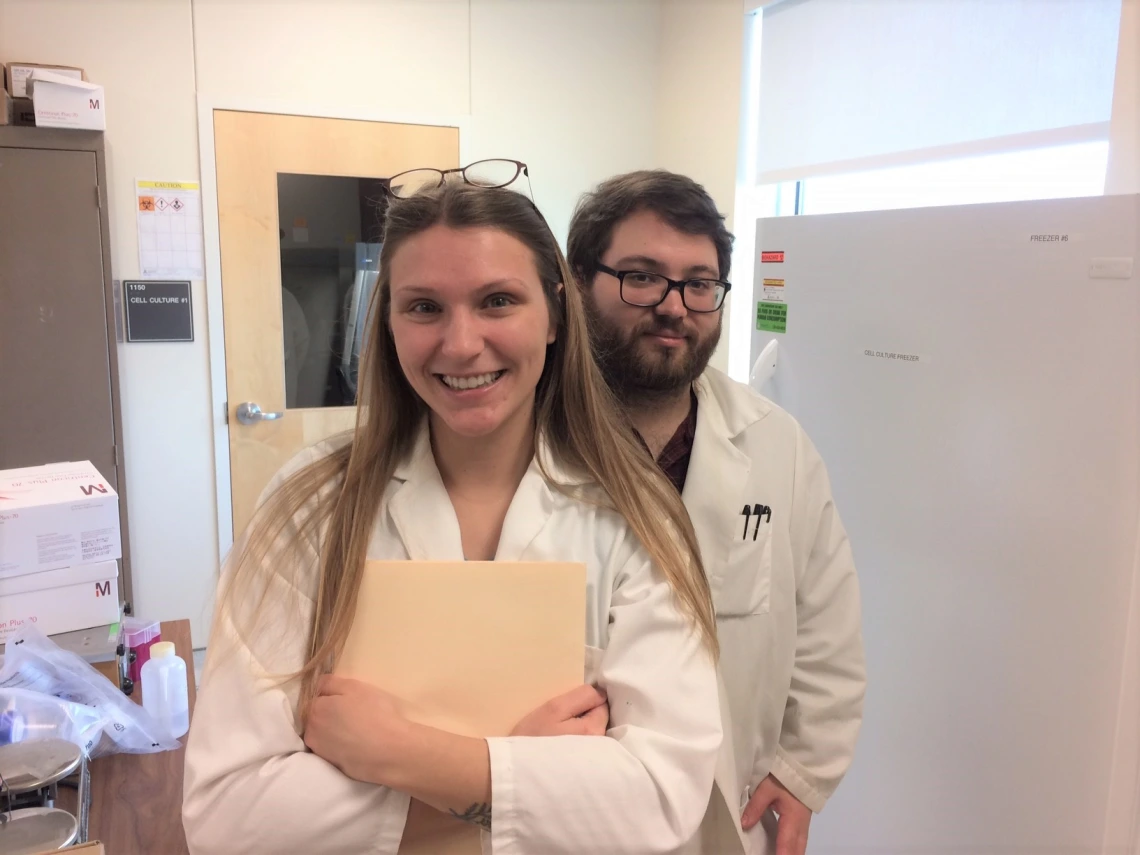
(484, 431)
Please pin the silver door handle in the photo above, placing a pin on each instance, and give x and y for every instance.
(249, 413)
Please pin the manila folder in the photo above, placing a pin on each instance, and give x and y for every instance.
(469, 647)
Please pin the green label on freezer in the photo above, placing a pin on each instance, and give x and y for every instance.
(772, 317)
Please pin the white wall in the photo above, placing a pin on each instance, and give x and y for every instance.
(378, 55)
(569, 86)
(698, 104)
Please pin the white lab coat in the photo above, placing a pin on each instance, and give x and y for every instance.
(251, 787)
(787, 604)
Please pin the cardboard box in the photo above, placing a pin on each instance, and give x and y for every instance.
(62, 102)
(60, 600)
(16, 75)
(60, 515)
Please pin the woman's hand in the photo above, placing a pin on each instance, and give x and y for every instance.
(355, 727)
(361, 730)
(583, 711)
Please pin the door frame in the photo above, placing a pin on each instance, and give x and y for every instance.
(211, 235)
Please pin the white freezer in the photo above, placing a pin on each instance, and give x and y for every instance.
(988, 476)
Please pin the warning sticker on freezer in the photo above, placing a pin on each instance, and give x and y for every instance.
(774, 290)
(772, 317)
(771, 256)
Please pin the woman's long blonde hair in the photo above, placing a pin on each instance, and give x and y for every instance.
(575, 414)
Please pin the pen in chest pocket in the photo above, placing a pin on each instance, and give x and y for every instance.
(758, 512)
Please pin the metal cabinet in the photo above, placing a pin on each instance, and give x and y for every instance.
(59, 382)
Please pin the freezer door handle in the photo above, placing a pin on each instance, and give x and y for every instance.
(764, 366)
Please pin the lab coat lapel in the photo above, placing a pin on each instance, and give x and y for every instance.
(421, 510)
(530, 509)
(425, 519)
(714, 486)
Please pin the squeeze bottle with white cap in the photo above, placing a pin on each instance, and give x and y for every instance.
(164, 692)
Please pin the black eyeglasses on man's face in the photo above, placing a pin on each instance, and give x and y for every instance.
(639, 288)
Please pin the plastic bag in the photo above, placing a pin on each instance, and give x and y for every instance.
(33, 661)
(26, 716)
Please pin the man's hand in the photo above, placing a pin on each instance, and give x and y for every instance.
(580, 712)
(793, 816)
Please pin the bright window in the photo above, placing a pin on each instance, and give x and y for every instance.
(1044, 173)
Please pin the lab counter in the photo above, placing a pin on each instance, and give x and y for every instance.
(136, 799)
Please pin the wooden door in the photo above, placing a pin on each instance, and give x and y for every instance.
(299, 203)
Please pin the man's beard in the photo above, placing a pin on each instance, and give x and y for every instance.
(639, 371)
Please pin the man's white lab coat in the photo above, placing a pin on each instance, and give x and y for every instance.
(787, 601)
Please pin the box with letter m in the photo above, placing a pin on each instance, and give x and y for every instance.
(59, 548)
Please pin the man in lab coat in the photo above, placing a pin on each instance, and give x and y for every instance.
(652, 253)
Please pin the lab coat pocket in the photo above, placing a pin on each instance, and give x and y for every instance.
(746, 583)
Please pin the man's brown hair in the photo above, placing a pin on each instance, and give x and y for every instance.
(678, 200)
